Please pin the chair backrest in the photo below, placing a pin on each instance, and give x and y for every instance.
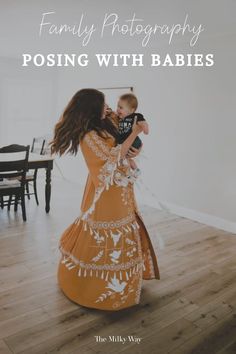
(14, 161)
(38, 145)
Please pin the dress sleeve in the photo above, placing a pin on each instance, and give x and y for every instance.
(102, 161)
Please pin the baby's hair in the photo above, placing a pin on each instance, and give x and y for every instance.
(131, 100)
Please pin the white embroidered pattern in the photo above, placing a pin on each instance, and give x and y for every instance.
(131, 252)
(99, 238)
(115, 237)
(111, 224)
(98, 256)
(129, 242)
(106, 171)
(94, 148)
(111, 267)
(139, 287)
(100, 143)
(115, 285)
(150, 262)
(115, 255)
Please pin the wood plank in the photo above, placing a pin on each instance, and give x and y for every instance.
(4, 348)
(214, 339)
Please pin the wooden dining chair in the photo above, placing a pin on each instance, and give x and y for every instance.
(38, 147)
(12, 175)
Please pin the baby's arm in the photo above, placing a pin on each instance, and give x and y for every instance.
(141, 121)
(145, 126)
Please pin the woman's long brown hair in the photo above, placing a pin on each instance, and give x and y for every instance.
(82, 114)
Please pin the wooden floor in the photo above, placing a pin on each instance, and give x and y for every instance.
(192, 309)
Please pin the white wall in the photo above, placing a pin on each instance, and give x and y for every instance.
(28, 102)
(193, 138)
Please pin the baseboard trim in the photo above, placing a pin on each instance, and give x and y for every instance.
(203, 218)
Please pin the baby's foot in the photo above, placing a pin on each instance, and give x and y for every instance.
(137, 172)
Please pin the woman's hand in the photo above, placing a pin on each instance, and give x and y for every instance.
(133, 152)
(108, 110)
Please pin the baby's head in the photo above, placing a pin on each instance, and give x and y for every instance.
(126, 105)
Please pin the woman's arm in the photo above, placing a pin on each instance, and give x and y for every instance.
(126, 150)
(136, 130)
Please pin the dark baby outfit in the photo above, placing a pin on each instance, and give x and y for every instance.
(125, 128)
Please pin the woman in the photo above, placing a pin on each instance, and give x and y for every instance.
(106, 251)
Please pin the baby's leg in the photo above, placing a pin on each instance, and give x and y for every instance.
(136, 171)
(132, 164)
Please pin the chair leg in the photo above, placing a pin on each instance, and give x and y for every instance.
(2, 202)
(23, 205)
(35, 191)
(16, 203)
(27, 189)
(9, 202)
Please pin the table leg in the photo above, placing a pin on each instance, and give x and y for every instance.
(48, 189)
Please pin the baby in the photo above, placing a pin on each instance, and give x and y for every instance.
(126, 111)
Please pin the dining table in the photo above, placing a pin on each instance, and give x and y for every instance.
(36, 161)
(46, 162)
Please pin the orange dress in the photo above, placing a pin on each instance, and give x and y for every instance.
(106, 251)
